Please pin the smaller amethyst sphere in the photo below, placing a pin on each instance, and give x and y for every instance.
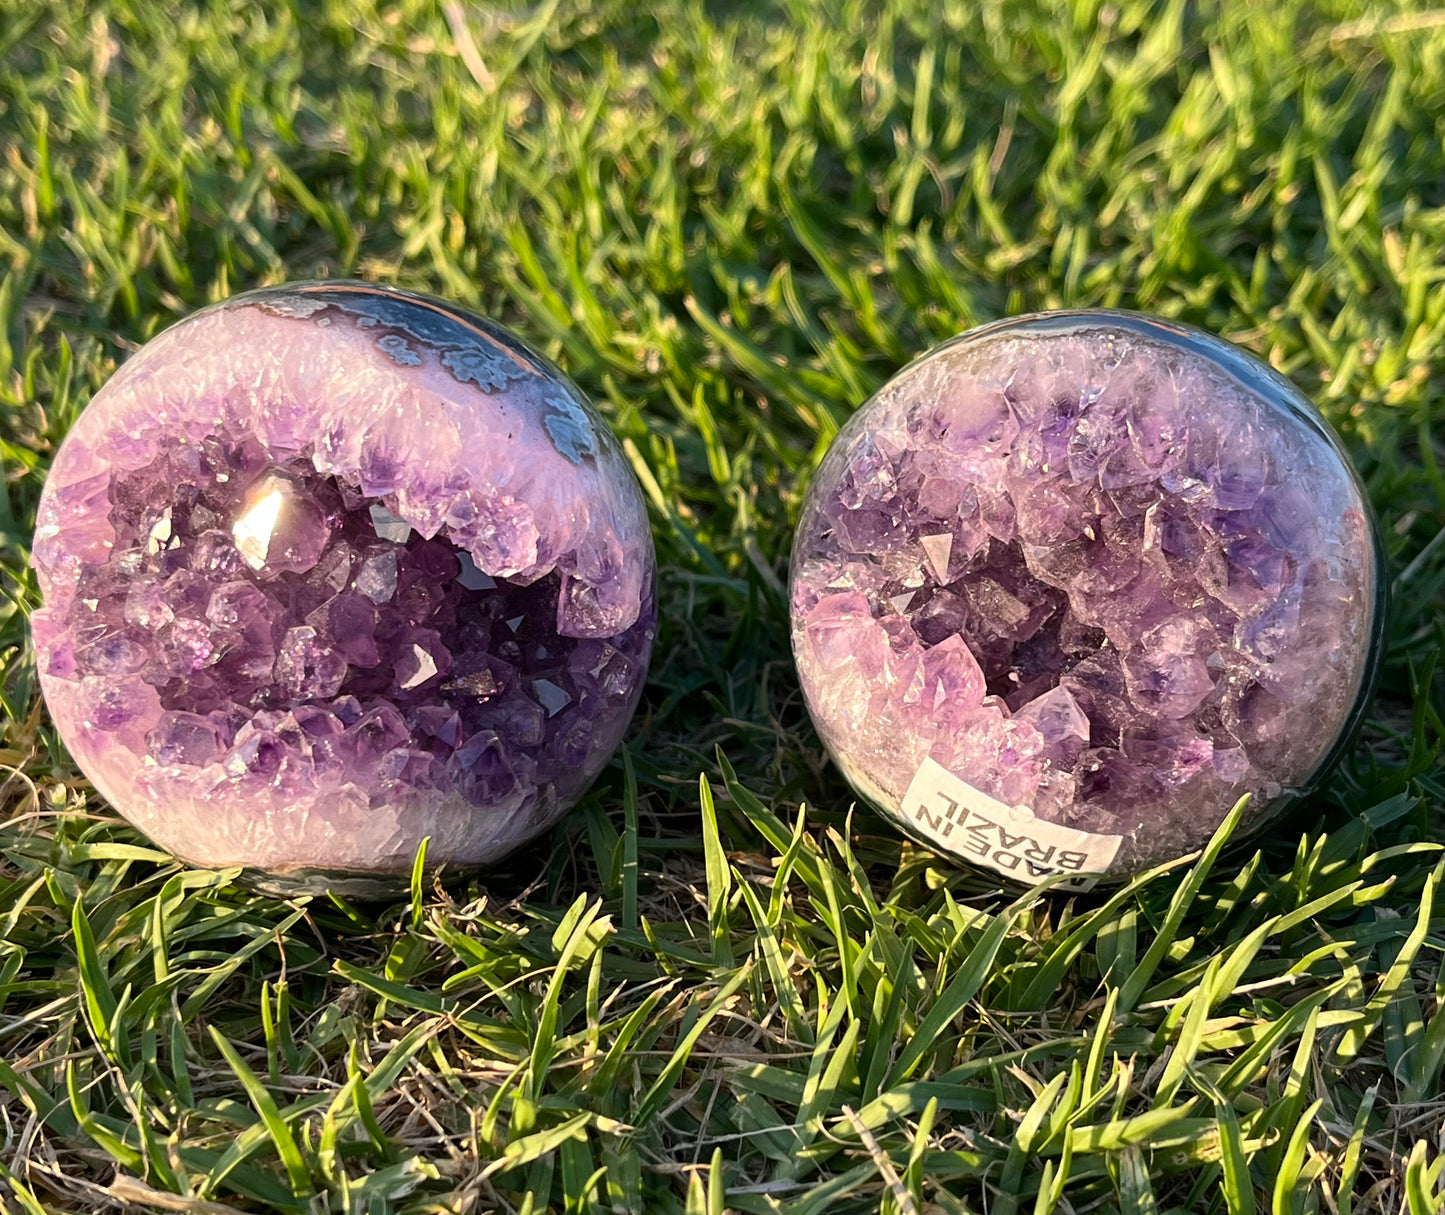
(1071, 585)
(331, 568)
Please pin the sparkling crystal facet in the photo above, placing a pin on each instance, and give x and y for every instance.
(1109, 573)
(320, 580)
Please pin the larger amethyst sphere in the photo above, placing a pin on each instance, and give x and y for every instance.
(1071, 585)
(331, 568)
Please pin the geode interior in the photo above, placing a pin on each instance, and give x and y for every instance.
(302, 615)
(1100, 569)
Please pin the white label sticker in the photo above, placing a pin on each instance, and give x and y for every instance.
(972, 824)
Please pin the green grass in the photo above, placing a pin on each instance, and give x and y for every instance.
(716, 988)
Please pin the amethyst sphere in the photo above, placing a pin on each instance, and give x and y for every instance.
(330, 568)
(1071, 585)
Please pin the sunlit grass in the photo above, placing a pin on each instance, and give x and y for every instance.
(730, 222)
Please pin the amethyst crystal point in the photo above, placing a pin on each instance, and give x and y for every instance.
(331, 568)
(1070, 586)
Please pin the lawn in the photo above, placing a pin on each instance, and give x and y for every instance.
(717, 986)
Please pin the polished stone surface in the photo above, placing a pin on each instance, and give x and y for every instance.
(329, 568)
(1110, 574)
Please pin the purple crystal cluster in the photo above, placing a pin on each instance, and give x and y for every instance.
(1109, 574)
(329, 569)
